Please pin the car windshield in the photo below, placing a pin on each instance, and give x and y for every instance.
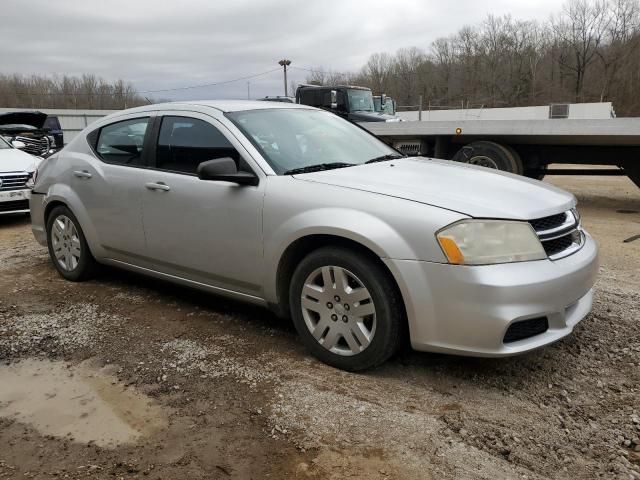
(360, 100)
(4, 144)
(291, 138)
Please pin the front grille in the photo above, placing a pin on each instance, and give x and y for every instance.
(14, 205)
(559, 234)
(558, 245)
(548, 223)
(15, 181)
(526, 329)
(34, 146)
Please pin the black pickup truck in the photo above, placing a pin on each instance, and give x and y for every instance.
(353, 103)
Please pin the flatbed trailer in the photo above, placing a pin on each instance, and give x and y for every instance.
(526, 147)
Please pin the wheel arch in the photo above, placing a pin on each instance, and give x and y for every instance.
(303, 246)
(61, 195)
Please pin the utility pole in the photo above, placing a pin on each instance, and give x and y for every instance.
(248, 90)
(284, 63)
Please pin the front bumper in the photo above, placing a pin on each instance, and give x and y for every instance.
(14, 201)
(467, 310)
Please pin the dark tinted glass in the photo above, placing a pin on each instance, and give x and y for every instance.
(122, 142)
(52, 123)
(185, 142)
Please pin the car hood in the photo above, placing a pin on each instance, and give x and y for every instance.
(33, 119)
(468, 189)
(14, 160)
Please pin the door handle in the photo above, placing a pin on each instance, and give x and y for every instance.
(157, 186)
(82, 174)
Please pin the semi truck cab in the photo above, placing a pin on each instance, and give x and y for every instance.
(351, 102)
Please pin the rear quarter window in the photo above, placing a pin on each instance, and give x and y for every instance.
(121, 142)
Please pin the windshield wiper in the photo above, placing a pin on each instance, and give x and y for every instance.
(382, 158)
(319, 167)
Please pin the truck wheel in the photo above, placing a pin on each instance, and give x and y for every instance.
(536, 173)
(490, 155)
(346, 309)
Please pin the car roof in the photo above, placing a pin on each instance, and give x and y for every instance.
(221, 105)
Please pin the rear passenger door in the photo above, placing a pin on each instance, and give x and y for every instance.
(110, 183)
(207, 231)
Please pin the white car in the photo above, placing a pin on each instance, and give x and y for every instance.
(17, 176)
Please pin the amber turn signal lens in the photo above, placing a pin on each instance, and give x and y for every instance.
(451, 250)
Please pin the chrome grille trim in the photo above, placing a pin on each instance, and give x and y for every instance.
(573, 248)
(570, 223)
(13, 181)
(34, 146)
(569, 232)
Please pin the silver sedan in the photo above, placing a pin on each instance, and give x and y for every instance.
(296, 209)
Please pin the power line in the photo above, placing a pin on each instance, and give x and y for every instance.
(246, 77)
(330, 72)
(142, 92)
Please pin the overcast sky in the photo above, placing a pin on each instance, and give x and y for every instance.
(157, 44)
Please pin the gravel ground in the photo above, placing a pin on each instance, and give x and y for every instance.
(236, 396)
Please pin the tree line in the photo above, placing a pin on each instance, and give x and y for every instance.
(586, 53)
(85, 92)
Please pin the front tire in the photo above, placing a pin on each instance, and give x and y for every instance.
(346, 309)
(68, 247)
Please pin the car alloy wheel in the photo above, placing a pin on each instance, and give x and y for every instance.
(338, 310)
(65, 242)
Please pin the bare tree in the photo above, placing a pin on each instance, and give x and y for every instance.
(66, 92)
(580, 30)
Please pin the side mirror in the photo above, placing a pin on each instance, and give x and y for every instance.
(18, 144)
(225, 170)
(330, 100)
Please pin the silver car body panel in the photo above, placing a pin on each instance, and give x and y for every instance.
(229, 239)
(467, 309)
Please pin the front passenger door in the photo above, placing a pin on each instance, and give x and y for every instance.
(206, 231)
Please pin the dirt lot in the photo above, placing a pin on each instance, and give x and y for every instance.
(125, 377)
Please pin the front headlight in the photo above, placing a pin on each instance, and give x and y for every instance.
(483, 242)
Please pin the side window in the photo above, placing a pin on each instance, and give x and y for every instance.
(341, 101)
(186, 142)
(310, 97)
(122, 142)
(52, 123)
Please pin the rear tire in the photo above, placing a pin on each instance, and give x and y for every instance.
(346, 309)
(68, 248)
(491, 155)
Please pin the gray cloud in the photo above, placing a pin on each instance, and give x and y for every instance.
(157, 45)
